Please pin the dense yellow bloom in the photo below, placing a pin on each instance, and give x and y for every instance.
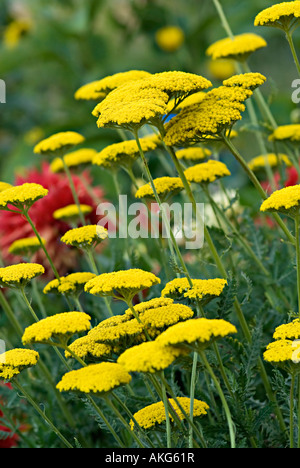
(149, 357)
(207, 172)
(26, 246)
(22, 196)
(200, 332)
(221, 69)
(59, 326)
(165, 187)
(155, 414)
(58, 143)
(85, 236)
(203, 290)
(98, 379)
(165, 316)
(286, 132)
(288, 331)
(123, 154)
(98, 90)
(280, 15)
(121, 334)
(246, 80)
(272, 159)
(194, 154)
(14, 361)
(148, 305)
(286, 200)
(122, 284)
(71, 212)
(284, 353)
(75, 160)
(19, 275)
(71, 284)
(4, 186)
(170, 38)
(192, 99)
(238, 48)
(86, 348)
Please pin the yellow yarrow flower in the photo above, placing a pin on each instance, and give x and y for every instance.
(58, 143)
(149, 357)
(207, 172)
(221, 69)
(14, 361)
(165, 316)
(239, 48)
(17, 276)
(194, 154)
(76, 160)
(286, 132)
(122, 334)
(25, 247)
(288, 331)
(70, 285)
(98, 379)
(59, 327)
(169, 38)
(22, 196)
(123, 154)
(86, 348)
(202, 290)
(98, 90)
(71, 213)
(281, 15)
(4, 186)
(155, 414)
(124, 284)
(194, 98)
(85, 236)
(286, 201)
(165, 187)
(285, 354)
(272, 159)
(200, 333)
(148, 305)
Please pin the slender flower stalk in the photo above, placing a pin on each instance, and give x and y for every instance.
(73, 190)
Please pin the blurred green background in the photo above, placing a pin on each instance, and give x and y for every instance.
(65, 44)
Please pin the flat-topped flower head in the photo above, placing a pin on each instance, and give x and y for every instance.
(70, 285)
(14, 361)
(149, 357)
(71, 213)
(60, 143)
(246, 80)
(166, 187)
(193, 154)
(288, 331)
(17, 276)
(124, 284)
(284, 354)
(98, 90)
(21, 197)
(149, 305)
(239, 48)
(273, 160)
(289, 133)
(97, 379)
(88, 349)
(154, 415)
(76, 161)
(123, 154)
(4, 186)
(286, 200)
(25, 247)
(281, 15)
(165, 316)
(169, 38)
(202, 290)
(198, 333)
(207, 172)
(59, 327)
(85, 237)
(122, 335)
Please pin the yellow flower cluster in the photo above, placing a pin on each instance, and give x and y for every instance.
(73, 283)
(14, 361)
(85, 236)
(288, 331)
(123, 154)
(97, 379)
(286, 200)
(77, 159)
(59, 142)
(22, 196)
(149, 357)
(207, 172)
(272, 159)
(279, 15)
(284, 352)
(155, 414)
(122, 334)
(122, 284)
(4, 186)
(201, 290)
(200, 332)
(15, 276)
(170, 38)
(221, 69)
(98, 90)
(238, 48)
(286, 132)
(26, 246)
(87, 348)
(165, 186)
(71, 212)
(149, 305)
(59, 326)
(246, 80)
(194, 154)
(192, 99)
(165, 316)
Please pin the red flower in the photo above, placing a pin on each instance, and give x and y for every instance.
(14, 227)
(10, 441)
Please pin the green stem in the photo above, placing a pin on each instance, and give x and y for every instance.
(35, 317)
(293, 50)
(10, 314)
(41, 413)
(73, 190)
(168, 422)
(136, 316)
(292, 391)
